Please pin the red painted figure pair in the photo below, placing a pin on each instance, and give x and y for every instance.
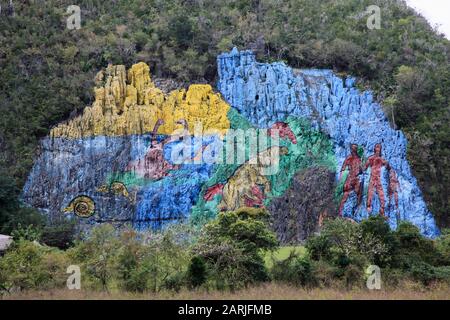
(352, 183)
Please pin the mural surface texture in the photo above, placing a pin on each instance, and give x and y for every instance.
(304, 144)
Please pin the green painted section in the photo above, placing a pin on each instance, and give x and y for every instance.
(313, 148)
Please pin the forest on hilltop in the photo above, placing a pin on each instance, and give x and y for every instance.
(47, 70)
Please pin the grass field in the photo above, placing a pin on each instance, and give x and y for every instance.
(283, 253)
(269, 291)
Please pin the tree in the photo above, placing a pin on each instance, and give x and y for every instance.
(97, 255)
(197, 271)
(233, 246)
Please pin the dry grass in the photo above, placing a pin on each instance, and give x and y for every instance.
(265, 292)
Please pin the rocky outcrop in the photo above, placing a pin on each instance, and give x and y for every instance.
(69, 168)
(268, 93)
(299, 212)
(130, 103)
(115, 162)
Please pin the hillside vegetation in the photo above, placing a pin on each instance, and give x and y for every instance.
(47, 71)
(230, 253)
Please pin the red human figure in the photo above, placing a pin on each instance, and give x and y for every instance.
(352, 183)
(394, 187)
(376, 162)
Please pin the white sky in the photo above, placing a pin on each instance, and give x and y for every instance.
(437, 12)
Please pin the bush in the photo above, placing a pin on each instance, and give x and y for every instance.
(423, 272)
(28, 265)
(60, 235)
(233, 246)
(28, 233)
(403, 254)
(353, 276)
(97, 256)
(376, 226)
(319, 247)
(131, 275)
(197, 272)
(442, 273)
(175, 281)
(412, 247)
(443, 247)
(343, 242)
(134, 261)
(294, 270)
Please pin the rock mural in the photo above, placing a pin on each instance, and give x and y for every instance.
(144, 158)
(268, 93)
(296, 215)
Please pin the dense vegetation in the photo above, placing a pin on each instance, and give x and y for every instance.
(47, 71)
(228, 254)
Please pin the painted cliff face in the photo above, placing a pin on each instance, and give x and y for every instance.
(268, 93)
(115, 162)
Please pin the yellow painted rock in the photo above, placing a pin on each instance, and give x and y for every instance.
(129, 103)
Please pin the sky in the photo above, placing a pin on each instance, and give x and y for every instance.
(437, 12)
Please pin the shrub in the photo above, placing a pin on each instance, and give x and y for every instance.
(343, 242)
(319, 247)
(325, 274)
(28, 265)
(353, 275)
(294, 270)
(197, 271)
(403, 254)
(442, 273)
(175, 281)
(29, 233)
(166, 261)
(412, 247)
(443, 247)
(233, 245)
(134, 261)
(423, 272)
(131, 275)
(60, 234)
(97, 255)
(376, 226)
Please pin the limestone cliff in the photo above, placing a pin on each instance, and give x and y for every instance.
(266, 93)
(129, 103)
(115, 162)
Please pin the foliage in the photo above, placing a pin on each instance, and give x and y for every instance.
(413, 247)
(28, 265)
(28, 233)
(130, 260)
(60, 234)
(443, 247)
(344, 242)
(197, 271)
(131, 275)
(294, 270)
(228, 254)
(233, 246)
(12, 215)
(348, 248)
(97, 255)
